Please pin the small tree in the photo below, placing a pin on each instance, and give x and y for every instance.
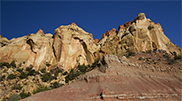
(11, 76)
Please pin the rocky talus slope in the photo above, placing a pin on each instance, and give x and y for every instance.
(119, 78)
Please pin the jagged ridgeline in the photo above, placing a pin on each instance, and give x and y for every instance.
(71, 45)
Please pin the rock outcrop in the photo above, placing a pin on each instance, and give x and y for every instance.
(69, 47)
(141, 34)
(33, 49)
(118, 78)
(73, 46)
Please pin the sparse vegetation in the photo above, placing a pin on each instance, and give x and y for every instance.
(41, 89)
(23, 75)
(2, 78)
(140, 58)
(55, 85)
(19, 87)
(47, 77)
(129, 53)
(24, 95)
(43, 70)
(4, 64)
(11, 76)
(13, 65)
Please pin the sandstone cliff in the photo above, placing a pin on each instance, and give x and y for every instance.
(71, 45)
(141, 34)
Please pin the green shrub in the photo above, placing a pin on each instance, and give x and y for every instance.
(23, 75)
(11, 76)
(65, 73)
(19, 87)
(14, 97)
(28, 68)
(82, 68)
(2, 78)
(31, 73)
(47, 77)
(55, 85)
(20, 70)
(72, 75)
(24, 95)
(177, 57)
(57, 72)
(5, 64)
(13, 65)
(140, 58)
(43, 70)
(41, 89)
(166, 55)
(129, 53)
(95, 63)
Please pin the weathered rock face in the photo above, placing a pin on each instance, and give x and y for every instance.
(73, 46)
(33, 49)
(141, 34)
(70, 46)
(118, 78)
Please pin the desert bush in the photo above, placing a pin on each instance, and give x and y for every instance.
(47, 77)
(14, 97)
(55, 85)
(65, 73)
(177, 57)
(13, 65)
(72, 75)
(20, 70)
(95, 63)
(140, 58)
(23, 75)
(5, 64)
(11, 76)
(28, 68)
(57, 72)
(2, 78)
(43, 70)
(19, 87)
(41, 89)
(129, 53)
(31, 72)
(82, 68)
(166, 55)
(24, 95)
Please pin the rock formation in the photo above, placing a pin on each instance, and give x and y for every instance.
(71, 45)
(141, 34)
(33, 49)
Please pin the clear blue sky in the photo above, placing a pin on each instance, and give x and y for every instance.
(19, 18)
